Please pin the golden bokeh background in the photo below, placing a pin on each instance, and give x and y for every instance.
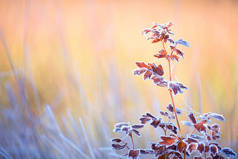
(80, 55)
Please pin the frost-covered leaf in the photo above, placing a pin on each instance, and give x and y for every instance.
(149, 115)
(182, 42)
(181, 146)
(142, 65)
(172, 127)
(175, 155)
(171, 41)
(190, 140)
(137, 126)
(155, 123)
(134, 154)
(159, 81)
(157, 69)
(146, 152)
(164, 113)
(201, 147)
(176, 87)
(162, 53)
(213, 149)
(192, 147)
(216, 116)
(174, 57)
(228, 152)
(148, 74)
(177, 51)
(144, 120)
(167, 140)
(200, 126)
(192, 118)
(198, 157)
(171, 109)
(207, 148)
(136, 132)
(118, 146)
(156, 40)
(162, 156)
(158, 149)
(116, 140)
(139, 71)
(122, 126)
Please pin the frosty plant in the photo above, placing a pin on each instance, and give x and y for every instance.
(201, 143)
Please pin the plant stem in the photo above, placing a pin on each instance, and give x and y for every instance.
(184, 153)
(172, 99)
(170, 91)
(192, 132)
(132, 141)
(170, 74)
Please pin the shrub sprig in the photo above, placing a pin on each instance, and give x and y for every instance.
(202, 142)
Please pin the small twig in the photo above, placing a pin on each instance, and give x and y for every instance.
(193, 132)
(132, 141)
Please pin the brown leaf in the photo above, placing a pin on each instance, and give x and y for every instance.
(151, 116)
(200, 126)
(190, 140)
(155, 123)
(201, 147)
(158, 149)
(144, 120)
(172, 127)
(157, 79)
(169, 24)
(206, 148)
(179, 52)
(162, 156)
(145, 152)
(213, 149)
(198, 157)
(162, 54)
(136, 126)
(134, 153)
(192, 118)
(181, 146)
(146, 31)
(157, 70)
(136, 132)
(172, 57)
(176, 154)
(118, 146)
(172, 147)
(116, 140)
(147, 75)
(192, 147)
(164, 113)
(167, 140)
(160, 70)
(171, 109)
(166, 37)
(176, 87)
(139, 71)
(142, 65)
(155, 40)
